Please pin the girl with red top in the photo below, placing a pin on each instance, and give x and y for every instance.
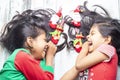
(100, 54)
(25, 36)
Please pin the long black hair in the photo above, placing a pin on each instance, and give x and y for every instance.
(26, 24)
(22, 26)
(111, 27)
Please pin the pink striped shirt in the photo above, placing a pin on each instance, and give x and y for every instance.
(108, 50)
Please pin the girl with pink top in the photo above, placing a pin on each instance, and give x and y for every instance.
(100, 54)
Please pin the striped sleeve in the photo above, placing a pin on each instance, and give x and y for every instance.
(108, 50)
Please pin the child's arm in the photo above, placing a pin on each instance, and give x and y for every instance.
(50, 53)
(73, 72)
(70, 74)
(85, 60)
(102, 53)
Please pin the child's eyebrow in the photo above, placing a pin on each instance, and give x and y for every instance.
(92, 31)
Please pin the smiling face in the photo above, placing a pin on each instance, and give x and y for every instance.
(95, 38)
(39, 46)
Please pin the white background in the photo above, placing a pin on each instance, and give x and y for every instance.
(65, 59)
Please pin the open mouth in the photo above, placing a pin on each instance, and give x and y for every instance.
(90, 43)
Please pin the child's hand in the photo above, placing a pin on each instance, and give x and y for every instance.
(51, 48)
(85, 47)
(50, 53)
(85, 44)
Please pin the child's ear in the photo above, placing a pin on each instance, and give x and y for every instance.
(108, 40)
(29, 42)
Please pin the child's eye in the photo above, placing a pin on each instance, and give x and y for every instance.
(45, 40)
(92, 33)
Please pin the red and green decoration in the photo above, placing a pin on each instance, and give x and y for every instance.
(57, 32)
(56, 23)
(55, 18)
(77, 43)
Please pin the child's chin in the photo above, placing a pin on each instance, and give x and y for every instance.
(43, 56)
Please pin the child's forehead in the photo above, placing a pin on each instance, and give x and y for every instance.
(94, 28)
(43, 36)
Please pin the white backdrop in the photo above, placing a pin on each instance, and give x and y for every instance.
(65, 59)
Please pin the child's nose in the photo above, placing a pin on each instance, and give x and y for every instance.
(87, 36)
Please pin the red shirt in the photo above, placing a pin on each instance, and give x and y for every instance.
(31, 68)
(107, 69)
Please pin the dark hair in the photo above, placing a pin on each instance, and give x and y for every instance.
(29, 23)
(88, 17)
(111, 27)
